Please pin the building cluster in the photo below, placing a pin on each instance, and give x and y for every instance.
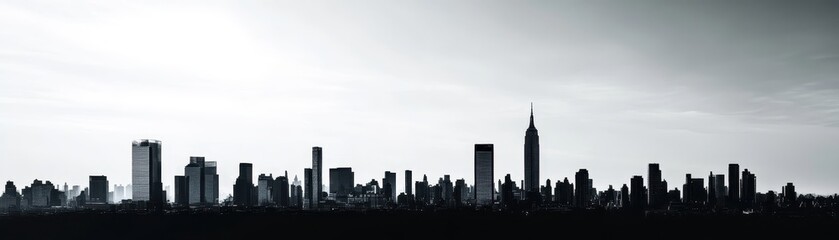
(198, 188)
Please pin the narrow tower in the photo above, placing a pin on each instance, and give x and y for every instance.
(531, 156)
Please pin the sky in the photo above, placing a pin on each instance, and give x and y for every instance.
(396, 85)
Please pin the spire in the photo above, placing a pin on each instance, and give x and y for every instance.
(531, 116)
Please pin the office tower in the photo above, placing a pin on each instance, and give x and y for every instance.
(98, 189)
(389, 185)
(565, 194)
(733, 184)
(719, 187)
(243, 189)
(694, 190)
(341, 183)
(446, 188)
(625, 196)
(408, 181)
(546, 191)
(264, 185)
(145, 171)
(790, 196)
(636, 194)
(119, 192)
(674, 196)
(181, 190)
(317, 175)
(195, 183)
(582, 193)
(422, 194)
(66, 188)
(296, 194)
(657, 189)
(129, 191)
(748, 188)
(281, 191)
(460, 191)
(484, 167)
(211, 183)
(307, 181)
(507, 199)
(712, 190)
(10, 198)
(531, 157)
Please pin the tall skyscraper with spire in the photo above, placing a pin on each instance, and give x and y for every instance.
(531, 156)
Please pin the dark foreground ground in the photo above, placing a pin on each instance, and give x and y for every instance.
(414, 225)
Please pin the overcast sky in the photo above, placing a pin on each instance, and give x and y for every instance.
(395, 85)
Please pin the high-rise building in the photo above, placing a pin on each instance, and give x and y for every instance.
(10, 197)
(389, 186)
(625, 196)
(636, 193)
(317, 175)
(264, 185)
(719, 187)
(119, 193)
(694, 190)
(658, 193)
(243, 189)
(341, 182)
(484, 187)
(733, 184)
(281, 191)
(181, 190)
(565, 194)
(790, 196)
(307, 181)
(146, 172)
(195, 180)
(211, 183)
(296, 194)
(531, 157)
(408, 181)
(98, 189)
(582, 193)
(748, 189)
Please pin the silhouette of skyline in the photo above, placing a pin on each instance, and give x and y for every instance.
(715, 104)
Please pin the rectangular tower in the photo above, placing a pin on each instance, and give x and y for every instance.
(146, 171)
(317, 175)
(484, 186)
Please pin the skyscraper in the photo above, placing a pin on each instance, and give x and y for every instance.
(749, 186)
(210, 183)
(265, 183)
(582, 193)
(389, 185)
(636, 193)
(408, 181)
(484, 160)
(146, 179)
(243, 189)
(98, 189)
(317, 175)
(531, 157)
(657, 190)
(309, 194)
(281, 191)
(719, 187)
(10, 197)
(733, 184)
(341, 182)
(195, 183)
(181, 191)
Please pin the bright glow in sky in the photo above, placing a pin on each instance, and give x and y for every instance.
(388, 86)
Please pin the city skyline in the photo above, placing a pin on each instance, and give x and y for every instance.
(413, 86)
